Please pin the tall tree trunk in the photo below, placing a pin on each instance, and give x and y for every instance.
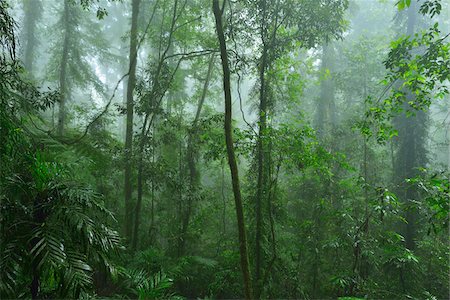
(152, 207)
(192, 155)
(261, 181)
(129, 125)
(411, 152)
(32, 11)
(63, 69)
(126, 67)
(263, 152)
(248, 292)
(364, 272)
(140, 163)
(146, 127)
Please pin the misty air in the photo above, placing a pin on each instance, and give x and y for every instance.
(224, 149)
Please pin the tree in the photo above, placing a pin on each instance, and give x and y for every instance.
(192, 156)
(78, 43)
(128, 149)
(245, 268)
(68, 22)
(309, 209)
(160, 75)
(33, 12)
(52, 228)
(279, 26)
(411, 154)
(417, 68)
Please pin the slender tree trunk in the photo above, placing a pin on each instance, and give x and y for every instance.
(63, 69)
(192, 154)
(261, 181)
(263, 153)
(126, 67)
(152, 214)
(129, 124)
(248, 292)
(364, 261)
(180, 245)
(316, 265)
(32, 13)
(147, 125)
(140, 164)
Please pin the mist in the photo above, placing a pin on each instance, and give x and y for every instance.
(221, 149)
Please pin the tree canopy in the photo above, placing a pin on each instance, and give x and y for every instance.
(221, 149)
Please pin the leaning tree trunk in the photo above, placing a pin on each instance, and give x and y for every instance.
(230, 152)
(129, 125)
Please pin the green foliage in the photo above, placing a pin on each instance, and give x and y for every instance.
(84, 43)
(431, 7)
(53, 229)
(334, 204)
(56, 226)
(418, 69)
(402, 4)
(139, 284)
(435, 190)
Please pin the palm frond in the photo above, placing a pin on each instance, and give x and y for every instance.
(9, 265)
(48, 248)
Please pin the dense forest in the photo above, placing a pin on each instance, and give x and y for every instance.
(224, 149)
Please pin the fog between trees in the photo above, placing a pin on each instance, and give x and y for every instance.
(210, 149)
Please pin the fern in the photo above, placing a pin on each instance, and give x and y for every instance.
(142, 285)
(60, 232)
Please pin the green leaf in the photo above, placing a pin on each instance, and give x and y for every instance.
(402, 4)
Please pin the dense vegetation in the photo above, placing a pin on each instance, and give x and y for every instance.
(201, 149)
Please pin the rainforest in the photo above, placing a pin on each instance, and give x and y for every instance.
(224, 149)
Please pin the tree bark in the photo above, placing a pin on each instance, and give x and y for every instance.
(263, 153)
(248, 292)
(129, 124)
(140, 163)
(261, 181)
